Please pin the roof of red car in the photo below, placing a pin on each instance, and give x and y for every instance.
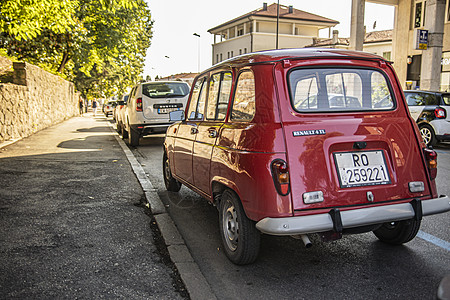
(298, 53)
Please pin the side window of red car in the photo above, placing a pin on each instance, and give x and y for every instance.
(197, 104)
(244, 98)
(219, 95)
(214, 85)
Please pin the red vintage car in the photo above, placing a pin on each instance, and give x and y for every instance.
(303, 141)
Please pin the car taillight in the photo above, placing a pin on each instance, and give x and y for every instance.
(439, 113)
(139, 104)
(431, 158)
(280, 175)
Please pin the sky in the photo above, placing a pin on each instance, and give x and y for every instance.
(175, 49)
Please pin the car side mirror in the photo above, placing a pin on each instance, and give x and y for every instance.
(177, 115)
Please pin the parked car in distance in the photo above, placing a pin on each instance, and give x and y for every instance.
(119, 114)
(148, 107)
(108, 107)
(303, 141)
(430, 110)
(120, 102)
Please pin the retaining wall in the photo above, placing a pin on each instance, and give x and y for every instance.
(34, 100)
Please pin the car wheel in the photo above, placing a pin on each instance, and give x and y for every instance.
(123, 131)
(133, 137)
(172, 185)
(118, 128)
(399, 232)
(240, 237)
(427, 134)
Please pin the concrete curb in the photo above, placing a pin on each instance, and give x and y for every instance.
(8, 142)
(196, 284)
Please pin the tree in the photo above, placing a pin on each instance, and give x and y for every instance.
(26, 19)
(102, 50)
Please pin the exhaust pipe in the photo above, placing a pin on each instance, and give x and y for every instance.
(304, 238)
(306, 241)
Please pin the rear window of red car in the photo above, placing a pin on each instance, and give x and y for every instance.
(339, 89)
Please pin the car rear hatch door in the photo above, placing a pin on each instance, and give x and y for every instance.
(350, 140)
(160, 98)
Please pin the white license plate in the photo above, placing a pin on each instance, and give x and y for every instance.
(361, 168)
(166, 110)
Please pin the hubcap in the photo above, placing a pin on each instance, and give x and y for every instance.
(230, 226)
(426, 134)
(391, 225)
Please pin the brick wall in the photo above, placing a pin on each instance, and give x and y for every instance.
(34, 100)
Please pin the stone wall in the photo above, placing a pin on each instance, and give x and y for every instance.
(34, 100)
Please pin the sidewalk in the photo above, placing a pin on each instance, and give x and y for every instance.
(73, 220)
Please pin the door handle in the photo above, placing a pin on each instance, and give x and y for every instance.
(212, 133)
(194, 130)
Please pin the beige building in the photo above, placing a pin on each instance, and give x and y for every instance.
(186, 77)
(427, 69)
(375, 42)
(257, 31)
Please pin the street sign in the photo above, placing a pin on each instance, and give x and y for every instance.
(421, 39)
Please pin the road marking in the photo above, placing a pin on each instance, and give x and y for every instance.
(434, 240)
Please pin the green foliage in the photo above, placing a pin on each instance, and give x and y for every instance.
(25, 19)
(100, 46)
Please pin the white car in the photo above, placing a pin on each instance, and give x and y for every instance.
(119, 114)
(108, 107)
(148, 107)
(431, 112)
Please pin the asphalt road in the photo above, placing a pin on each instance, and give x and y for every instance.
(355, 267)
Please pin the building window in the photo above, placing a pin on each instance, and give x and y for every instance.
(250, 27)
(245, 50)
(419, 14)
(221, 57)
(232, 54)
(240, 51)
(387, 55)
(228, 54)
(448, 11)
(217, 58)
(240, 31)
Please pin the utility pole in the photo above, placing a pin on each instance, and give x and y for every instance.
(198, 59)
(278, 21)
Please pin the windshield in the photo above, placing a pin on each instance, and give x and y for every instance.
(165, 89)
(330, 90)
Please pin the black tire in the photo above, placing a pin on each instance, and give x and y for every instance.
(133, 137)
(124, 131)
(428, 135)
(397, 233)
(240, 238)
(118, 128)
(172, 185)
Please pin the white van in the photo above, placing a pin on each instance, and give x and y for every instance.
(148, 107)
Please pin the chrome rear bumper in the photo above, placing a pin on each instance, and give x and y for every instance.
(338, 220)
